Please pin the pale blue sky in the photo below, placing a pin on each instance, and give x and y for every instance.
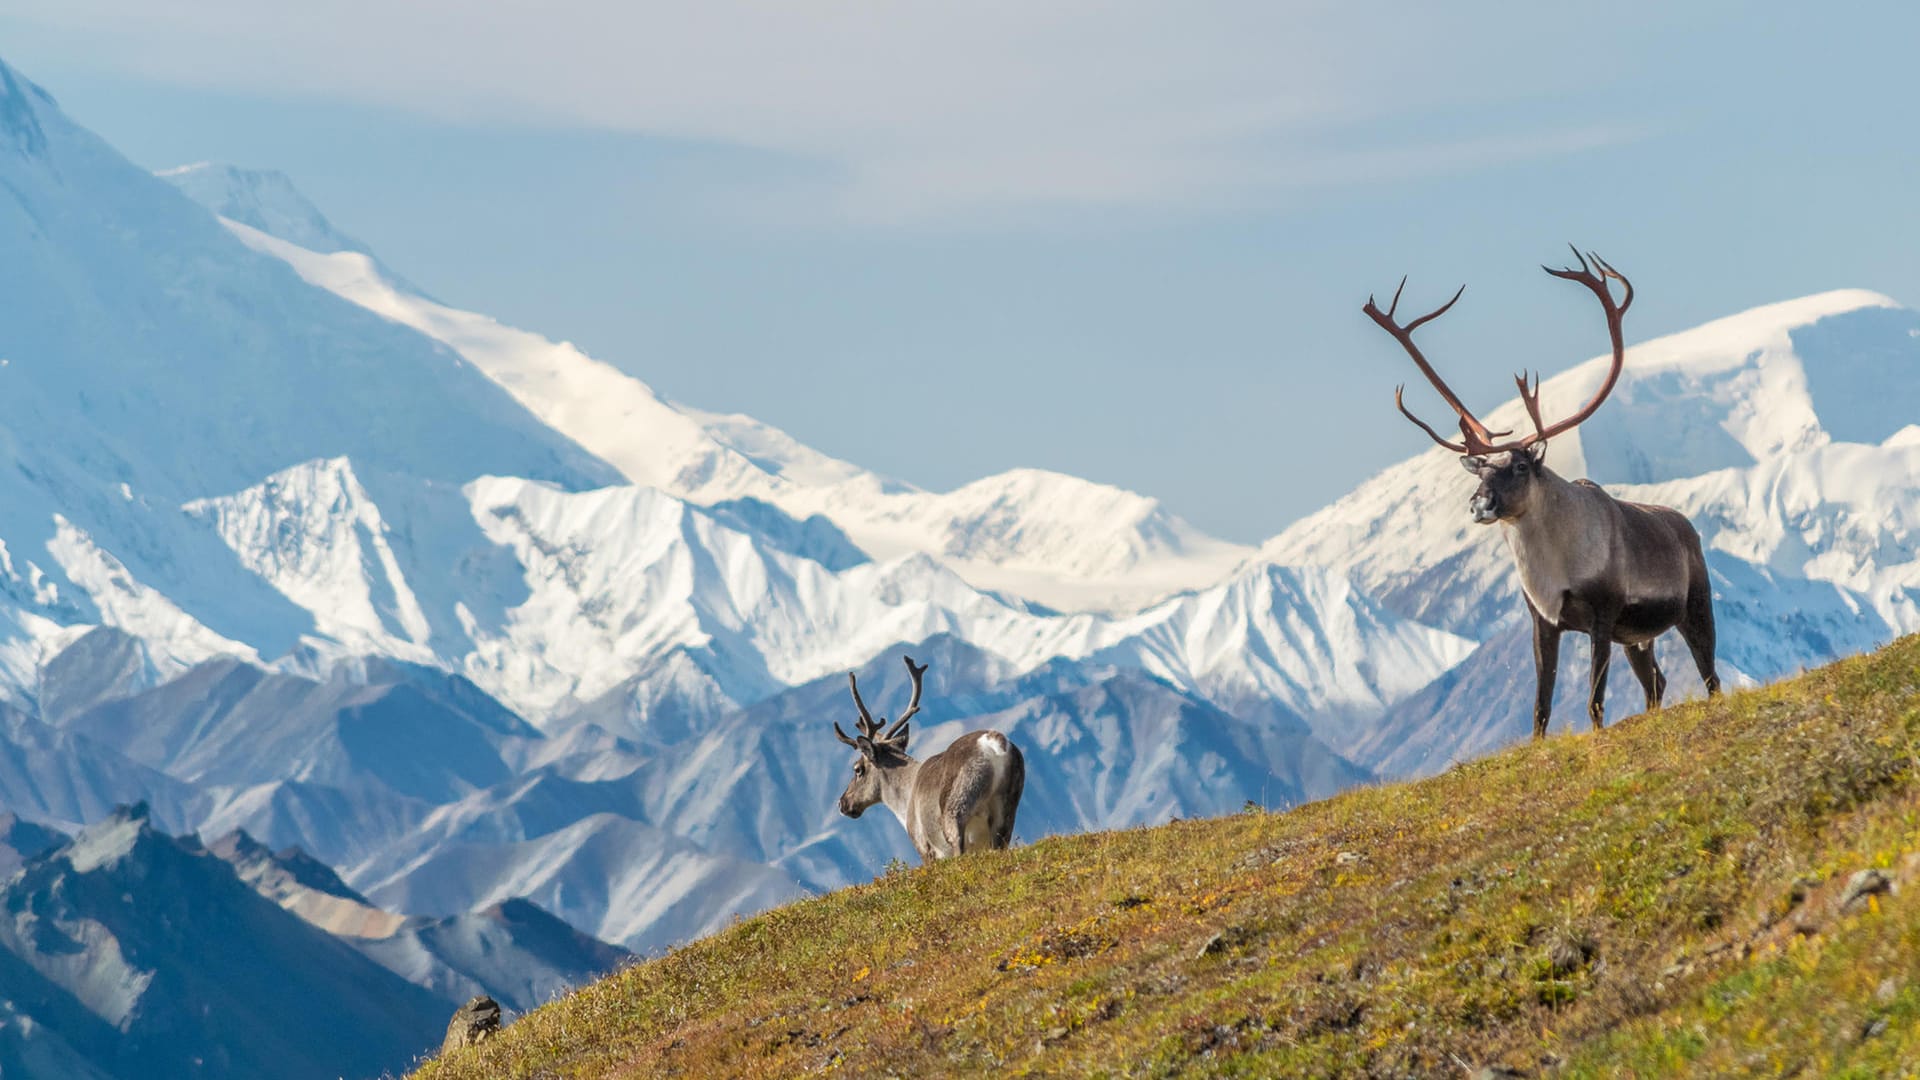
(1123, 240)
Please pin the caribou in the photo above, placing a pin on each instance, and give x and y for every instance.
(959, 800)
(1616, 571)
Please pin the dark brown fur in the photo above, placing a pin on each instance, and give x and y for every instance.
(1616, 571)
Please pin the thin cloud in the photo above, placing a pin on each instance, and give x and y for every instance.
(922, 109)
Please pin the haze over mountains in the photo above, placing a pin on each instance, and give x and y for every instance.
(475, 619)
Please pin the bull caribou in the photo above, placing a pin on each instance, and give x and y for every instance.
(1616, 571)
(959, 800)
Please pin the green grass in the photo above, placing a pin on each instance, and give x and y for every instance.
(1656, 900)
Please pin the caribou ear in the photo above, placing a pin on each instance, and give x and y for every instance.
(898, 740)
(1539, 452)
(1473, 463)
(865, 746)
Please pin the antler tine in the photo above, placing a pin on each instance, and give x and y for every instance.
(1400, 390)
(1397, 290)
(1597, 284)
(916, 672)
(1626, 286)
(866, 723)
(1476, 437)
(1595, 281)
(1436, 312)
(855, 743)
(1530, 397)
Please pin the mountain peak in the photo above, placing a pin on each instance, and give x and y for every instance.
(108, 841)
(19, 112)
(264, 199)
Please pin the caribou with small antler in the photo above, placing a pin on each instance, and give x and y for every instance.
(959, 800)
(1614, 570)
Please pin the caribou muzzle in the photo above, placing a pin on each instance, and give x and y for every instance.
(1484, 507)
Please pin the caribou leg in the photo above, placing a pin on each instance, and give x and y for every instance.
(1647, 670)
(1546, 667)
(1009, 803)
(1697, 630)
(954, 825)
(1602, 659)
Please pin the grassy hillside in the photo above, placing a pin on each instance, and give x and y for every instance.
(1662, 899)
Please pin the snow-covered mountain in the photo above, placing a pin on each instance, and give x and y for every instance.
(151, 359)
(264, 199)
(1058, 540)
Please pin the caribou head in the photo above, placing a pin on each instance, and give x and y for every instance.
(879, 753)
(1504, 485)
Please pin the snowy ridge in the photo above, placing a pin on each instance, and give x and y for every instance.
(153, 360)
(603, 604)
(176, 640)
(315, 535)
(264, 199)
(591, 591)
(1059, 540)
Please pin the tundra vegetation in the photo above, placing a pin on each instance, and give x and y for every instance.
(1724, 889)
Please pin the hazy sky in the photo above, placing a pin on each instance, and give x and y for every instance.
(1128, 241)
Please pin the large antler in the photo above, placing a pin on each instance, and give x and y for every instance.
(916, 673)
(866, 724)
(1475, 438)
(869, 727)
(1597, 283)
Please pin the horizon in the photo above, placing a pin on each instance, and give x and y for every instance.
(1166, 300)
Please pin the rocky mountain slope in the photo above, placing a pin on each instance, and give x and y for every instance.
(126, 952)
(146, 956)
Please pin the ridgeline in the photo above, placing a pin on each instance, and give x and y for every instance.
(1724, 888)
